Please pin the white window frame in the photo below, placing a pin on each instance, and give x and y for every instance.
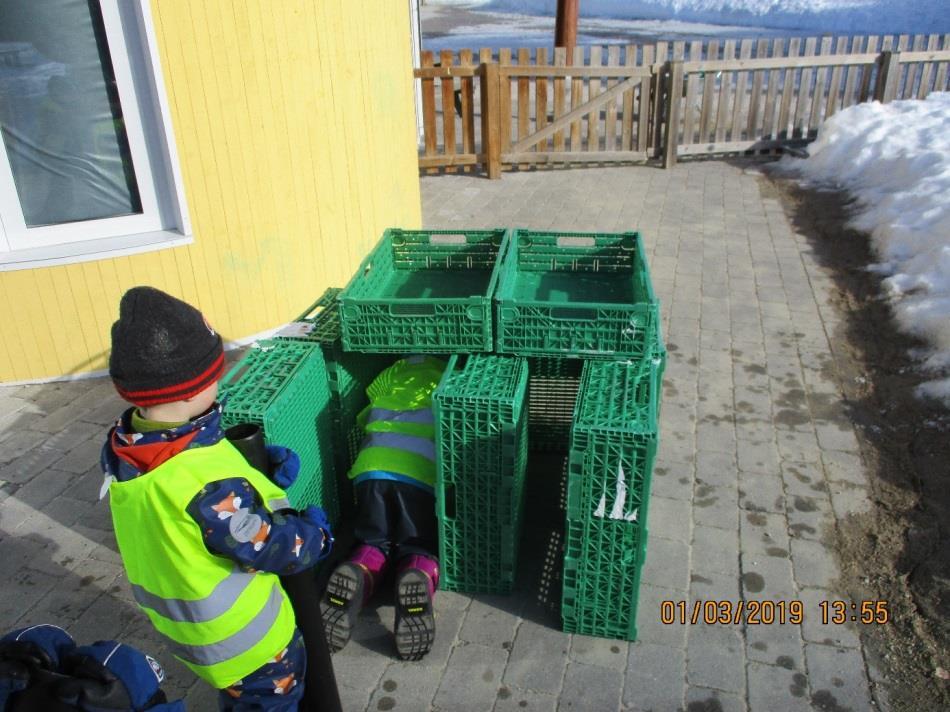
(164, 219)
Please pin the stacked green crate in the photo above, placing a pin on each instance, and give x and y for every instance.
(552, 392)
(282, 386)
(481, 445)
(575, 295)
(348, 375)
(613, 445)
(424, 291)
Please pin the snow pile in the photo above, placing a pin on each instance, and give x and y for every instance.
(850, 16)
(895, 159)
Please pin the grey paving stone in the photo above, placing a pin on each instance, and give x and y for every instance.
(833, 436)
(814, 630)
(716, 468)
(32, 461)
(669, 518)
(767, 578)
(405, 686)
(837, 678)
(715, 658)
(716, 433)
(83, 456)
(715, 550)
(650, 629)
(202, 696)
(514, 699)
(20, 593)
(655, 678)
(773, 687)
(715, 506)
(811, 517)
(779, 643)
(538, 658)
(713, 586)
(814, 564)
(803, 478)
(753, 456)
(673, 480)
(761, 492)
(600, 652)
(471, 678)
(490, 621)
(591, 687)
(43, 487)
(848, 499)
(667, 564)
(844, 466)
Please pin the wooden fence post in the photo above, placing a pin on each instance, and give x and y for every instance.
(491, 138)
(674, 98)
(888, 73)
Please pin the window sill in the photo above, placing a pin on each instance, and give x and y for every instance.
(89, 250)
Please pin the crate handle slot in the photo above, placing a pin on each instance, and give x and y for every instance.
(456, 239)
(411, 309)
(575, 241)
(448, 501)
(573, 313)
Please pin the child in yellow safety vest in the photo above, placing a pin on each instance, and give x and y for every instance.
(393, 478)
(202, 534)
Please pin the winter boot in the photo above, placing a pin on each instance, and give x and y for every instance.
(416, 581)
(349, 588)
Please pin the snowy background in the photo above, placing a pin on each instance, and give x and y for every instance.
(894, 159)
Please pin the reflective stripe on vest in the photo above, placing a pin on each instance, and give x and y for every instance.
(422, 416)
(216, 603)
(424, 447)
(238, 643)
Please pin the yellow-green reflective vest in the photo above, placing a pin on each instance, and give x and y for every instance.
(222, 622)
(400, 431)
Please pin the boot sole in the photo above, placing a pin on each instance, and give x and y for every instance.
(341, 604)
(415, 624)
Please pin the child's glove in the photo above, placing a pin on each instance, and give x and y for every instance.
(317, 516)
(284, 465)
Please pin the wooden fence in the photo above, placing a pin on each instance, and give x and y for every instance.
(619, 103)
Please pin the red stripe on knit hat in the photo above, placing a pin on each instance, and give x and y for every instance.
(178, 391)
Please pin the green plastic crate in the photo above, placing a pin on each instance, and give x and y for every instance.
(552, 392)
(481, 445)
(613, 445)
(584, 295)
(282, 386)
(348, 375)
(424, 291)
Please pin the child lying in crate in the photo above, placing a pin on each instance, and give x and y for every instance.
(393, 479)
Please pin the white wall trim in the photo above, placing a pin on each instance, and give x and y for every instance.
(89, 250)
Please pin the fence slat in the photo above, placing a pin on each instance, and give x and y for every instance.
(940, 81)
(675, 96)
(524, 95)
(541, 97)
(834, 88)
(725, 92)
(662, 56)
(505, 104)
(644, 103)
(755, 112)
(745, 52)
(709, 87)
(913, 69)
(426, 59)
(491, 116)
(818, 99)
(800, 122)
(788, 87)
(610, 115)
(594, 87)
(933, 42)
(870, 72)
(448, 108)
(692, 84)
(626, 118)
(577, 98)
(769, 120)
(467, 104)
(560, 59)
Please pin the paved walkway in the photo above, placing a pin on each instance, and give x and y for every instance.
(757, 461)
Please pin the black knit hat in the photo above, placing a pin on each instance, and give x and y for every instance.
(163, 350)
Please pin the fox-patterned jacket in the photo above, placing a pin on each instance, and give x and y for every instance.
(229, 511)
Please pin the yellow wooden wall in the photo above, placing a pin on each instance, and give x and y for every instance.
(295, 128)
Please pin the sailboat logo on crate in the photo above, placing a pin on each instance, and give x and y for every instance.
(616, 512)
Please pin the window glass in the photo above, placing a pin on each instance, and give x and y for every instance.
(60, 114)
